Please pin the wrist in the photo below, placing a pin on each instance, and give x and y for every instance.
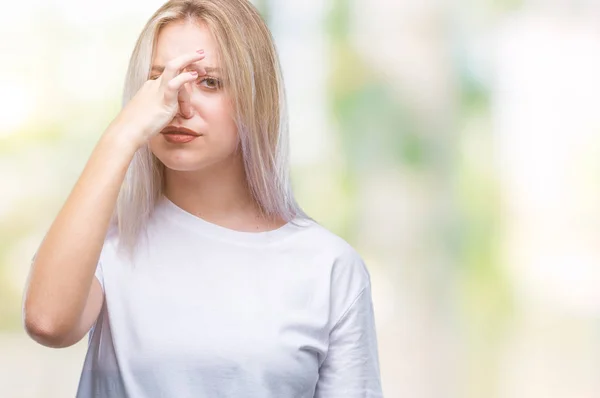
(124, 137)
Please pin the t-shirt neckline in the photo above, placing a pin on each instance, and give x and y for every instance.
(208, 228)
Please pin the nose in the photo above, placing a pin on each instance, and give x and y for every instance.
(180, 114)
(185, 109)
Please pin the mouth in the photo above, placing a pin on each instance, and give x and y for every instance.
(179, 135)
(178, 130)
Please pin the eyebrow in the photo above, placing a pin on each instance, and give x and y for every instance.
(208, 69)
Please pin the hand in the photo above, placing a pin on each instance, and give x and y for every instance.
(157, 102)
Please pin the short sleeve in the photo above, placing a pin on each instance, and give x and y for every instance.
(99, 274)
(351, 366)
(108, 239)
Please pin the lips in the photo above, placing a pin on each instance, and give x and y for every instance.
(180, 131)
(179, 134)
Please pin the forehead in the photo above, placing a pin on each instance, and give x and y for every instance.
(182, 37)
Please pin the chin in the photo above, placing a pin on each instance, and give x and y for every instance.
(183, 160)
(186, 160)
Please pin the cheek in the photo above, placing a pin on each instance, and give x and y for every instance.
(154, 143)
(217, 114)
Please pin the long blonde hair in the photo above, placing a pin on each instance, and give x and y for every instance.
(254, 82)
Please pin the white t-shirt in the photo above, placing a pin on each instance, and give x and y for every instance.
(207, 311)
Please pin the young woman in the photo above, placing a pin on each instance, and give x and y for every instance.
(181, 249)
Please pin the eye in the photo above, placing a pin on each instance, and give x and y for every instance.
(211, 83)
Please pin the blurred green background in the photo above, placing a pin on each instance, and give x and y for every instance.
(454, 144)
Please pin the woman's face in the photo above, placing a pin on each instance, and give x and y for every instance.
(212, 111)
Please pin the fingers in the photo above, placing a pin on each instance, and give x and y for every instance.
(185, 106)
(173, 67)
(174, 85)
(173, 79)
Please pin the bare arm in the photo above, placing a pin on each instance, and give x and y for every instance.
(63, 299)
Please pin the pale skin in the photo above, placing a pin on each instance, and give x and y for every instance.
(63, 298)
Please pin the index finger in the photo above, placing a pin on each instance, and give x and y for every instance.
(173, 67)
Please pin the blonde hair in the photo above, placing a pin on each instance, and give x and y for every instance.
(254, 83)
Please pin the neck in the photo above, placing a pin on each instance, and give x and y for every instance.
(216, 193)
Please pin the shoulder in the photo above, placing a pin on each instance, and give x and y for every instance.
(345, 261)
(347, 276)
(321, 238)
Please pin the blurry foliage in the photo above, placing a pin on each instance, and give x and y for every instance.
(51, 134)
(507, 5)
(376, 128)
(484, 290)
(479, 201)
(16, 226)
